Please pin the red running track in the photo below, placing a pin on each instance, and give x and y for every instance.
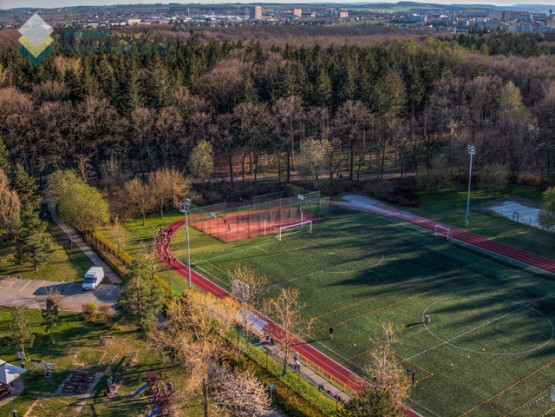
(477, 241)
(314, 356)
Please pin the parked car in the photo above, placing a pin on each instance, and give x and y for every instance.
(93, 278)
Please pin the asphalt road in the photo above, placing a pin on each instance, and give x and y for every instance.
(29, 293)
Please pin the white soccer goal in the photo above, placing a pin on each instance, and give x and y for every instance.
(297, 227)
(440, 230)
(240, 290)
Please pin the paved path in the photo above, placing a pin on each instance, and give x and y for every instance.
(341, 376)
(29, 293)
(84, 247)
(307, 371)
(19, 386)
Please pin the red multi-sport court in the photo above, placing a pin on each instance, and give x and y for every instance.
(264, 216)
(240, 225)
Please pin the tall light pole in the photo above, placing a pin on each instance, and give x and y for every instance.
(471, 151)
(184, 208)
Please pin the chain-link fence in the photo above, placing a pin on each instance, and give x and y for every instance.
(262, 216)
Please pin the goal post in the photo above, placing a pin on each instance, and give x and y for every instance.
(304, 225)
(240, 290)
(440, 230)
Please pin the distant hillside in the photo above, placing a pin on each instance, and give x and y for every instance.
(402, 6)
(535, 8)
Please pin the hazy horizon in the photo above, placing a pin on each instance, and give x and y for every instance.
(49, 4)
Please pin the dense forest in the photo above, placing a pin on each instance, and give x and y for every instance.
(114, 105)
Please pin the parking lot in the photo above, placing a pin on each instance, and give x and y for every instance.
(28, 293)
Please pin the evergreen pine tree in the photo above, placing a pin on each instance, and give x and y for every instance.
(5, 164)
(26, 189)
(21, 334)
(51, 314)
(141, 299)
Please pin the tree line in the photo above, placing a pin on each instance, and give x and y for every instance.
(398, 104)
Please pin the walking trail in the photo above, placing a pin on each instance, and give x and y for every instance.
(76, 239)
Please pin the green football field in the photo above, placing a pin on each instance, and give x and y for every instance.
(489, 349)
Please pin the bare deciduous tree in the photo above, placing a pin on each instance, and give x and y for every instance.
(167, 186)
(138, 197)
(286, 309)
(9, 204)
(242, 394)
(314, 158)
(387, 373)
(196, 323)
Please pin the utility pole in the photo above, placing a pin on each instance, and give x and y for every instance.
(471, 149)
(184, 208)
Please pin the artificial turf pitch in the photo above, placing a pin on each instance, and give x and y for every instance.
(489, 349)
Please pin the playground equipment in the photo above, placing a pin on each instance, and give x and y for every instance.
(159, 394)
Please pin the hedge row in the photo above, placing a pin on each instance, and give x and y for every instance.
(120, 261)
(307, 400)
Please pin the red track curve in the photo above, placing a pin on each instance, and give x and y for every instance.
(311, 354)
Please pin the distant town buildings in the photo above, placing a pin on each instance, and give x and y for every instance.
(255, 12)
(438, 19)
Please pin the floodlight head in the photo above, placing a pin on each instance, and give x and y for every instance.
(185, 206)
(471, 149)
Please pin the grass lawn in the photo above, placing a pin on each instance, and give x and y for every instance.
(449, 206)
(66, 264)
(77, 347)
(489, 347)
(139, 238)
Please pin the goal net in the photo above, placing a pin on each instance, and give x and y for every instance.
(440, 230)
(294, 228)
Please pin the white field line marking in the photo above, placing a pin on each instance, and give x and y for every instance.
(67, 288)
(342, 357)
(487, 323)
(326, 270)
(214, 266)
(22, 288)
(211, 274)
(263, 250)
(425, 408)
(266, 244)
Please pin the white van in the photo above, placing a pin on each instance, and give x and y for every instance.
(93, 277)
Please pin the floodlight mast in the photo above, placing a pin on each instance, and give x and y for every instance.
(471, 149)
(184, 208)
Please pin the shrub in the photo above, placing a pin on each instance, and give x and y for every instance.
(307, 400)
(528, 178)
(494, 176)
(89, 309)
(104, 314)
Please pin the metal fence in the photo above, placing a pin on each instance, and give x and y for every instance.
(262, 216)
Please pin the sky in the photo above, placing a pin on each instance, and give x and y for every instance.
(8, 4)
